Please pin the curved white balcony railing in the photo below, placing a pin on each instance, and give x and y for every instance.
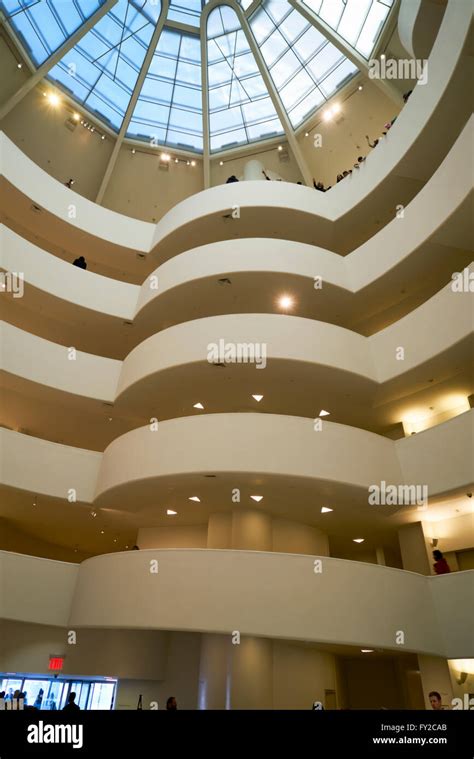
(314, 352)
(137, 467)
(425, 131)
(418, 253)
(274, 595)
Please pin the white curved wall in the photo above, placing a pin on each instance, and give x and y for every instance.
(38, 466)
(47, 363)
(39, 591)
(274, 595)
(58, 278)
(50, 194)
(401, 240)
(440, 458)
(424, 334)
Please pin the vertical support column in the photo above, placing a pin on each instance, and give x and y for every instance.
(251, 531)
(380, 554)
(215, 672)
(252, 674)
(413, 547)
(206, 161)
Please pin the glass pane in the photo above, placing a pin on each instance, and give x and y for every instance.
(44, 26)
(102, 695)
(358, 22)
(102, 69)
(170, 100)
(238, 97)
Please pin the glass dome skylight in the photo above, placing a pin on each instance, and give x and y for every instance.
(137, 65)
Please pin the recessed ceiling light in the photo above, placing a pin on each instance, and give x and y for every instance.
(358, 540)
(19, 65)
(198, 405)
(383, 56)
(360, 87)
(115, 540)
(76, 116)
(133, 151)
(327, 115)
(367, 650)
(165, 157)
(110, 418)
(285, 301)
(306, 134)
(324, 413)
(176, 160)
(102, 532)
(171, 513)
(53, 99)
(325, 509)
(194, 498)
(93, 513)
(126, 548)
(257, 498)
(336, 108)
(221, 163)
(103, 137)
(193, 163)
(258, 398)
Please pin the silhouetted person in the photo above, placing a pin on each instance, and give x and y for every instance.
(407, 95)
(231, 179)
(371, 144)
(435, 699)
(80, 262)
(71, 706)
(69, 183)
(39, 699)
(135, 548)
(441, 566)
(171, 704)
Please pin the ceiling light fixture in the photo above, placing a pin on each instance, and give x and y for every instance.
(280, 147)
(102, 532)
(367, 650)
(257, 498)
(360, 87)
(171, 513)
(133, 151)
(19, 65)
(194, 498)
(76, 116)
(325, 509)
(258, 398)
(165, 157)
(53, 99)
(198, 405)
(176, 160)
(358, 540)
(193, 163)
(285, 302)
(221, 163)
(324, 413)
(93, 513)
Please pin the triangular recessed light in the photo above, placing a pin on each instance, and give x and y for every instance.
(324, 413)
(198, 405)
(171, 513)
(359, 540)
(257, 498)
(258, 398)
(194, 498)
(367, 650)
(325, 509)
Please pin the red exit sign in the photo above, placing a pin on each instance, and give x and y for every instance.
(56, 663)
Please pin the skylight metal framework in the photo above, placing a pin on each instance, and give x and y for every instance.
(137, 65)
